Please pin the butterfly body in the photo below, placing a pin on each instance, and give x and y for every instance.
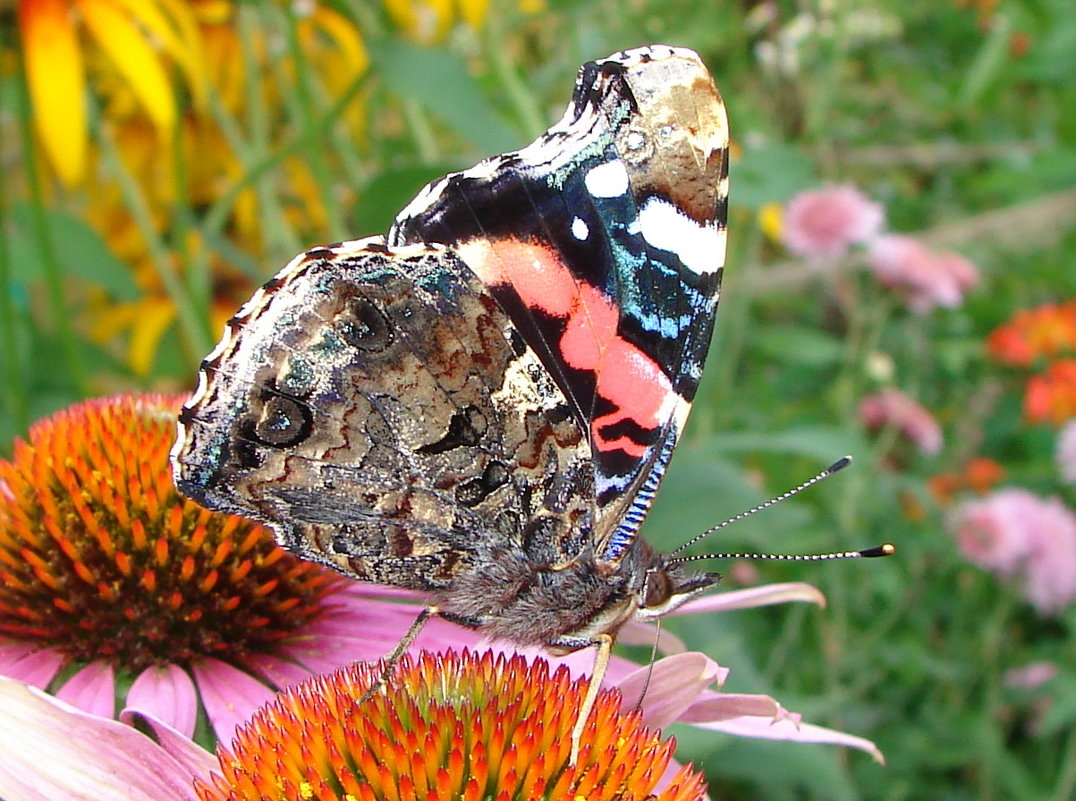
(482, 405)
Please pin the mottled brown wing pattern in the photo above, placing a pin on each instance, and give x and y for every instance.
(380, 411)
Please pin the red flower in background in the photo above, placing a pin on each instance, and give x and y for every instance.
(1051, 396)
(979, 475)
(1043, 332)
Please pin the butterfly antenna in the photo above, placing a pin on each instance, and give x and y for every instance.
(840, 464)
(649, 667)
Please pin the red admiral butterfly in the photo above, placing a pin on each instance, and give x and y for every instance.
(483, 404)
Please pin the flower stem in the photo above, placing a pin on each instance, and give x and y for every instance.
(51, 267)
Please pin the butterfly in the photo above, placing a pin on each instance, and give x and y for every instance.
(482, 404)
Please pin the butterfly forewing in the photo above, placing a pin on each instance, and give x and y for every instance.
(604, 241)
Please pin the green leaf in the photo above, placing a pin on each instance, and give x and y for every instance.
(80, 252)
(389, 191)
(439, 80)
(822, 443)
(770, 174)
(799, 345)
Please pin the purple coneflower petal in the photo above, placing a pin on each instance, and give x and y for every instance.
(192, 757)
(89, 758)
(761, 728)
(29, 663)
(766, 595)
(228, 694)
(672, 686)
(715, 707)
(167, 693)
(92, 689)
(638, 633)
(280, 673)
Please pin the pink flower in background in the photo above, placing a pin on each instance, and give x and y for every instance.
(1066, 451)
(995, 532)
(1013, 532)
(926, 279)
(824, 223)
(1051, 565)
(1031, 676)
(891, 407)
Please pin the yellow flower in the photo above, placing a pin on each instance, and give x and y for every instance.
(771, 221)
(136, 37)
(430, 20)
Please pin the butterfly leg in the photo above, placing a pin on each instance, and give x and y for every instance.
(393, 657)
(601, 662)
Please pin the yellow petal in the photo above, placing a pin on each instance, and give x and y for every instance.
(139, 63)
(154, 318)
(474, 12)
(56, 80)
(173, 26)
(402, 13)
(340, 29)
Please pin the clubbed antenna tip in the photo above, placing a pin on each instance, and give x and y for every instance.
(879, 550)
(840, 464)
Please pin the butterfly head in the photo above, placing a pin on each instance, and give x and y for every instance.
(667, 586)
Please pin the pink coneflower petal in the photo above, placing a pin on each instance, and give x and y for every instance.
(229, 695)
(760, 728)
(167, 693)
(92, 689)
(715, 707)
(191, 757)
(52, 750)
(1031, 676)
(672, 686)
(280, 673)
(638, 633)
(29, 663)
(766, 595)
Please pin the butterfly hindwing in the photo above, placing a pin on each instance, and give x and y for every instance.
(379, 409)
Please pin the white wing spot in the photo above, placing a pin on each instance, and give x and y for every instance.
(607, 180)
(700, 247)
(579, 229)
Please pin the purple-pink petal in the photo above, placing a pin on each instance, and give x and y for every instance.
(51, 750)
(766, 595)
(713, 707)
(167, 693)
(92, 689)
(671, 687)
(193, 758)
(279, 672)
(229, 695)
(636, 632)
(768, 729)
(30, 664)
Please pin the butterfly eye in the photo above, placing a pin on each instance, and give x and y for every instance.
(658, 589)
